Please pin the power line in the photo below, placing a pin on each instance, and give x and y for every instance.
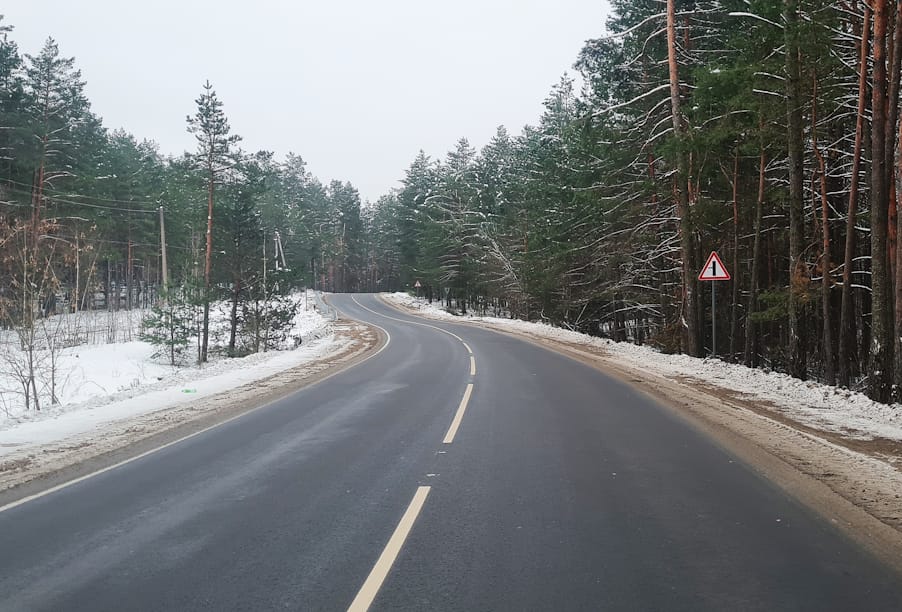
(78, 195)
(87, 205)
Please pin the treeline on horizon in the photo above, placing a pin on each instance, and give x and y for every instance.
(81, 209)
(767, 131)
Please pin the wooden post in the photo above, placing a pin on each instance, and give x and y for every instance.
(163, 250)
(77, 271)
(207, 268)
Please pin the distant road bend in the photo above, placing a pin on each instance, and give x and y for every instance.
(457, 469)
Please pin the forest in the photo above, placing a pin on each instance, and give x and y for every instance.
(94, 219)
(766, 131)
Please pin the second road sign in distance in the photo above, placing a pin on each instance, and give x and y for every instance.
(714, 269)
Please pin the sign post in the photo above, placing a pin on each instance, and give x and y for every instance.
(417, 286)
(713, 270)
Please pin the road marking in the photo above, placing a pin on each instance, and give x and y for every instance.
(69, 483)
(444, 331)
(458, 417)
(452, 431)
(377, 576)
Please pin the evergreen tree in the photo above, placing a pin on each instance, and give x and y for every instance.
(170, 325)
(54, 106)
(11, 107)
(214, 157)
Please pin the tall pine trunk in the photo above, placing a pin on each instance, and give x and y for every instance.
(233, 317)
(797, 272)
(882, 344)
(847, 330)
(893, 118)
(751, 348)
(827, 339)
(897, 365)
(684, 213)
(734, 303)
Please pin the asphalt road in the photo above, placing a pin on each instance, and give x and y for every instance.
(552, 487)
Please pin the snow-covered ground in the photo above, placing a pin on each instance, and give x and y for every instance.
(813, 404)
(102, 383)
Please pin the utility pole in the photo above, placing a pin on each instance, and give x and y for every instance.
(265, 300)
(207, 267)
(163, 250)
(77, 268)
(129, 269)
(281, 251)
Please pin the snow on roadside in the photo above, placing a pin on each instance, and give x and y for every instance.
(106, 383)
(810, 403)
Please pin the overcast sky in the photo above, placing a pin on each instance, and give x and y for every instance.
(355, 87)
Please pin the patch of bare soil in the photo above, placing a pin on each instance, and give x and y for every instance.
(31, 469)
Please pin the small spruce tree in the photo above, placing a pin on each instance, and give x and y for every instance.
(170, 326)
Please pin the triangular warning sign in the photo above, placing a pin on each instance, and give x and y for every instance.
(714, 269)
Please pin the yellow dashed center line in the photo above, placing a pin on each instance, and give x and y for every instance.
(377, 576)
(458, 417)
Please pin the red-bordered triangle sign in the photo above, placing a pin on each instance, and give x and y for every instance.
(714, 269)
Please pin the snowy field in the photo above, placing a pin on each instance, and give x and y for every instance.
(810, 403)
(100, 382)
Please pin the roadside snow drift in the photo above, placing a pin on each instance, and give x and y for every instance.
(100, 383)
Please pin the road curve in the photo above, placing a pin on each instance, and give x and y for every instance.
(458, 469)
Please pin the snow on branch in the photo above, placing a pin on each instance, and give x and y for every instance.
(629, 31)
(636, 99)
(754, 16)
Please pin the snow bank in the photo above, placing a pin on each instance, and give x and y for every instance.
(103, 383)
(810, 403)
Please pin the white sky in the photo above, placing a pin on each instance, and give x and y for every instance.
(355, 87)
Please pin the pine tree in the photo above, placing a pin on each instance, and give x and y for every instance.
(214, 157)
(11, 102)
(55, 104)
(242, 235)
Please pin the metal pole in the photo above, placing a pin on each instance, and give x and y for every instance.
(713, 321)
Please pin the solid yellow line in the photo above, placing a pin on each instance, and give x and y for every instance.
(444, 331)
(377, 576)
(472, 366)
(459, 416)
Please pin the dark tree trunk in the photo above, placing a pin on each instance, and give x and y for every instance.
(827, 321)
(684, 213)
(798, 275)
(233, 318)
(734, 303)
(847, 332)
(893, 117)
(751, 348)
(882, 344)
